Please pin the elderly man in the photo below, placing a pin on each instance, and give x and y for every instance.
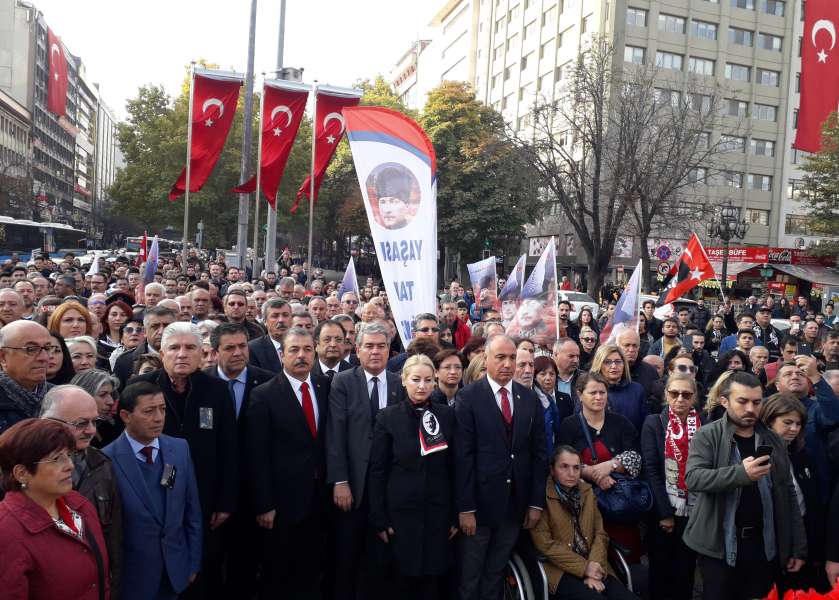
(93, 475)
(759, 356)
(630, 343)
(317, 308)
(286, 288)
(265, 350)
(460, 330)
(184, 308)
(153, 293)
(424, 325)
(96, 305)
(333, 306)
(155, 320)
(523, 375)
(566, 355)
(199, 410)
(329, 339)
(11, 306)
(98, 283)
(348, 325)
(24, 354)
(236, 309)
(42, 287)
(300, 317)
(201, 302)
(349, 304)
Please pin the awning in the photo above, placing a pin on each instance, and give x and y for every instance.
(813, 273)
(735, 267)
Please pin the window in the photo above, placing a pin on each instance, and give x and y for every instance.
(558, 71)
(703, 140)
(507, 101)
(544, 82)
(506, 73)
(671, 97)
(524, 61)
(586, 24)
(545, 49)
(636, 17)
(700, 102)
(741, 37)
(513, 14)
(798, 83)
(498, 52)
(732, 143)
(733, 179)
(736, 108)
(634, 55)
(698, 176)
(764, 112)
(760, 182)
(499, 24)
(549, 17)
(701, 66)
(773, 43)
(755, 216)
(737, 72)
(513, 43)
(671, 23)
(796, 190)
(668, 60)
(767, 77)
(763, 147)
(799, 225)
(529, 30)
(494, 82)
(703, 30)
(775, 7)
(744, 4)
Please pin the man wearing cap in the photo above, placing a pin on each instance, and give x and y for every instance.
(393, 187)
(765, 333)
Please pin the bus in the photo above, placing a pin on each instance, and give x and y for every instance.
(24, 236)
(167, 247)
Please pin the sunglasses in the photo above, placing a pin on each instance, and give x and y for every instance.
(131, 330)
(686, 368)
(429, 329)
(687, 395)
(588, 339)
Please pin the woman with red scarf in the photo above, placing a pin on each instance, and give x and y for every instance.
(665, 439)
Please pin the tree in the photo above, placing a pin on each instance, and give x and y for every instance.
(16, 197)
(617, 154)
(486, 193)
(821, 187)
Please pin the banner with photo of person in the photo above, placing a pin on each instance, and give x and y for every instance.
(536, 315)
(484, 280)
(510, 294)
(397, 172)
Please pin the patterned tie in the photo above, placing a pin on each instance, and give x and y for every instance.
(374, 399)
(506, 411)
(330, 373)
(147, 452)
(308, 408)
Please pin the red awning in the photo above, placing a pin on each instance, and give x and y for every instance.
(735, 267)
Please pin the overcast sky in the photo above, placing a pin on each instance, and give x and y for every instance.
(127, 43)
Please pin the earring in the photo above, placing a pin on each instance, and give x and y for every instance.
(23, 485)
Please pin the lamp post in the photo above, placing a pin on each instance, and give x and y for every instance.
(727, 226)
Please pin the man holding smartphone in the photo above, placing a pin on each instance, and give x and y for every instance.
(745, 526)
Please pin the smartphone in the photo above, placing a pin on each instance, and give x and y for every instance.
(762, 451)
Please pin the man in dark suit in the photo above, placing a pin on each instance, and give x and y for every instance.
(355, 396)
(199, 410)
(500, 470)
(155, 320)
(236, 311)
(286, 470)
(155, 479)
(329, 340)
(241, 539)
(265, 350)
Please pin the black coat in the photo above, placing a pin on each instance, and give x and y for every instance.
(806, 475)
(490, 473)
(413, 494)
(124, 365)
(264, 355)
(214, 448)
(255, 377)
(283, 459)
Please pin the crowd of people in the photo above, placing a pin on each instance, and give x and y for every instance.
(211, 434)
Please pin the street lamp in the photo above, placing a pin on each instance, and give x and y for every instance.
(727, 226)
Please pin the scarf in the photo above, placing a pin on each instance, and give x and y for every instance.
(431, 436)
(544, 398)
(28, 403)
(570, 501)
(677, 439)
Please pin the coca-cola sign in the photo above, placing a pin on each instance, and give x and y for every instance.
(780, 255)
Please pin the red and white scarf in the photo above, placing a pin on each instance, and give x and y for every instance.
(677, 439)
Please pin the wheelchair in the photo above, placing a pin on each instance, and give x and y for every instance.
(525, 578)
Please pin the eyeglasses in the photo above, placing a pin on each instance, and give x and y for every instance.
(429, 329)
(64, 457)
(687, 395)
(686, 368)
(81, 424)
(589, 339)
(131, 330)
(613, 363)
(32, 350)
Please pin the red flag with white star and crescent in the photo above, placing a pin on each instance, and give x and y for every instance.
(329, 129)
(819, 72)
(214, 100)
(57, 84)
(282, 112)
(692, 268)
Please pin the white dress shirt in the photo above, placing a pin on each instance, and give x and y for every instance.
(324, 368)
(496, 389)
(137, 446)
(382, 387)
(296, 384)
(277, 347)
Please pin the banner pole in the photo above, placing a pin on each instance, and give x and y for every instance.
(255, 273)
(312, 175)
(188, 164)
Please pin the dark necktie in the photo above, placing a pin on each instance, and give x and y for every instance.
(374, 399)
(230, 386)
(147, 452)
(330, 373)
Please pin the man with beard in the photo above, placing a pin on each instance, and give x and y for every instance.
(27, 296)
(669, 338)
(565, 326)
(653, 323)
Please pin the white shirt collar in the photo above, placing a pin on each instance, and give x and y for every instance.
(276, 343)
(382, 376)
(137, 446)
(296, 383)
(324, 368)
(496, 387)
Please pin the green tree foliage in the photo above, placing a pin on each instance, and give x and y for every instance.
(486, 193)
(821, 181)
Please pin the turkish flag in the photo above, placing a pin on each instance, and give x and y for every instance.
(282, 112)
(214, 100)
(57, 84)
(692, 267)
(819, 72)
(329, 128)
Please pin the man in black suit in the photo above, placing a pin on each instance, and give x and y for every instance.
(500, 470)
(155, 320)
(265, 350)
(198, 409)
(349, 344)
(329, 340)
(236, 311)
(241, 539)
(287, 468)
(355, 397)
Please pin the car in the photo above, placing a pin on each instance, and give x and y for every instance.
(578, 301)
(662, 312)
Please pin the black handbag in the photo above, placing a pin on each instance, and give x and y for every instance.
(625, 502)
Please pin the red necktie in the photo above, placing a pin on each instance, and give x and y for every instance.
(506, 411)
(147, 452)
(308, 408)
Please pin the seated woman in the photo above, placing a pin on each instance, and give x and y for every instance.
(571, 535)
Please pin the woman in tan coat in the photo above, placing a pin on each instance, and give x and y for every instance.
(571, 535)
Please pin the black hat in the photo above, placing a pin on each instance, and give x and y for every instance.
(394, 182)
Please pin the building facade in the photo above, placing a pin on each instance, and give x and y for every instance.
(16, 199)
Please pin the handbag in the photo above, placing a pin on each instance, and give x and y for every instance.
(625, 502)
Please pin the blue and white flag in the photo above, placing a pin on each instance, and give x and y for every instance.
(151, 262)
(536, 315)
(397, 171)
(627, 309)
(484, 280)
(349, 283)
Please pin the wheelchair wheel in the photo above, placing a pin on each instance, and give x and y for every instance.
(620, 566)
(517, 584)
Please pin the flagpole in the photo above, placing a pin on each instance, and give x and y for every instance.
(556, 289)
(188, 164)
(312, 172)
(255, 272)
